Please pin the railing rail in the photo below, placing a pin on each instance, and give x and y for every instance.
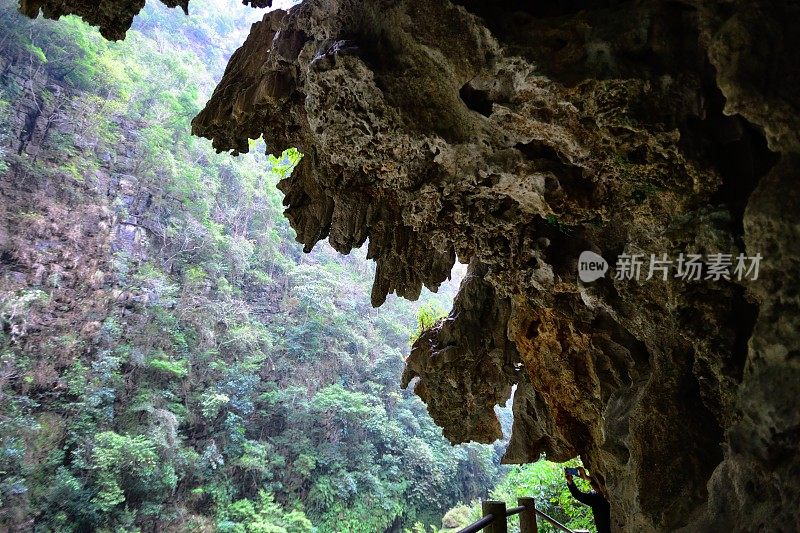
(495, 515)
(477, 526)
(514, 510)
(555, 522)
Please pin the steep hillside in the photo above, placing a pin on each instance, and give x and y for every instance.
(169, 358)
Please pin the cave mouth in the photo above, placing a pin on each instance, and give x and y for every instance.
(603, 58)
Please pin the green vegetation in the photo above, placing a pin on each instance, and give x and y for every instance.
(232, 383)
(543, 481)
(427, 317)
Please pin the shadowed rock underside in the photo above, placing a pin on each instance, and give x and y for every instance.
(112, 17)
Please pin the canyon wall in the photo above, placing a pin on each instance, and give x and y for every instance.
(515, 135)
(61, 225)
(170, 360)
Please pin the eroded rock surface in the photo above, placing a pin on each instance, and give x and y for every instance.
(469, 353)
(112, 17)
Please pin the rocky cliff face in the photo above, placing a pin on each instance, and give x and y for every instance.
(515, 135)
(60, 226)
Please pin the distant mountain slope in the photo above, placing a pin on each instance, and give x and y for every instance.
(169, 358)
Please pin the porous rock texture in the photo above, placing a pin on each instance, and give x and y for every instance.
(514, 135)
(112, 17)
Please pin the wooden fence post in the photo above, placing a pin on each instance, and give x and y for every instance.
(498, 510)
(527, 518)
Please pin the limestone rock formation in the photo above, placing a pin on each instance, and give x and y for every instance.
(469, 352)
(112, 17)
(515, 135)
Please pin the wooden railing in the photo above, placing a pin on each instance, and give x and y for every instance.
(495, 517)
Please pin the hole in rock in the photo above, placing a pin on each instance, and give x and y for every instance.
(6, 258)
(638, 156)
(736, 149)
(538, 150)
(575, 185)
(532, 330)
(476, 99)
(570, 178)
(566, 243)
(508, 209)
(743, 317)
(741, 162)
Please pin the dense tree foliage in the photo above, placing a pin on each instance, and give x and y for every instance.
(232, 383)
(243, 386)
